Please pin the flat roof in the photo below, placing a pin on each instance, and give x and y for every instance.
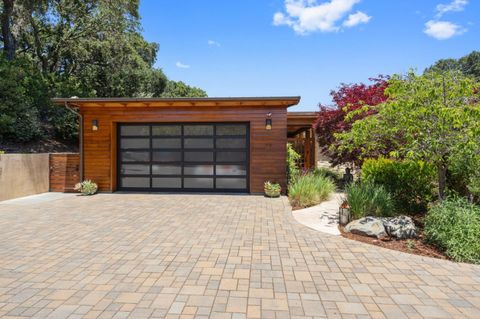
(303, 114)
(162, 102)
(300, 121)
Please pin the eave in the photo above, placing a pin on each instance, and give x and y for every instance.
(286, 101)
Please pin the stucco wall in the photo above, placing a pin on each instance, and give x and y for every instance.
(23, 174)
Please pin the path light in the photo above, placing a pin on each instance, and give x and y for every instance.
(268, 121)
(344, 214)
(94, 125)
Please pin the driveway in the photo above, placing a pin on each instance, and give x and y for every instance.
(186, 256)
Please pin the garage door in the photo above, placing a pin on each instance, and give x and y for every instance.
(183, 157)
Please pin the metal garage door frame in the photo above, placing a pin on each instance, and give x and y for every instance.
(182, 162)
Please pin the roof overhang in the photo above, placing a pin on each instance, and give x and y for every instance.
(284, 101)
(298, 122)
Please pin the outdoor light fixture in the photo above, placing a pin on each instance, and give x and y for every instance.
(268, 122)
(344, 214)
(94, 125)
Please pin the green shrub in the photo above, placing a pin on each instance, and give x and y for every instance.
(19, 117)
(64, 123)
(292, 164)
(334, 175)
(368, 199)
(458, 176)
(454, 226)
(309, 189)
(474, 186)
(409, 182)
(86, 187)
(463, 177)
(272, 189)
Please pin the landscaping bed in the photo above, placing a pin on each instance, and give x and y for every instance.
(448, 230)
(415, 246)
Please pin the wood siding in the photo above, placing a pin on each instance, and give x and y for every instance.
(64, 172)
(267, 148)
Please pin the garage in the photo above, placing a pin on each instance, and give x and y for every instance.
(183, 157)
(175, 145)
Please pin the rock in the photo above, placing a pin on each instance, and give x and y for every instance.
(367, 226)
(400, 227)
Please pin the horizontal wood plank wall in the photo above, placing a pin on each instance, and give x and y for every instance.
(267, 148)
(64, 172)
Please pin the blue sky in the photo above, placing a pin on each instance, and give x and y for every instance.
(303, 47)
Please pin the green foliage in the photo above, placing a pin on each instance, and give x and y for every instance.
(18, 115)
(410, 244)
(121, 66)
(91, 48)
(430, 118)
(453, 225)
(409, 182)
(309, 189)
(86, 187)
(464, 172)
(368, 199)
(469, 65)
(333, 174)
(65, 123)
(473, 186)
(327, 172)
(292, 163)
(272, 189)
(180, 89)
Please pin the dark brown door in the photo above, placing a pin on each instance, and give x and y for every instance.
(191, 157)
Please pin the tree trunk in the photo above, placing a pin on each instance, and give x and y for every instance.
(442, 181)
(37, 43)
(8, 39)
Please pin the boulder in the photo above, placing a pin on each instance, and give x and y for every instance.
(367, 226)
(400, 227)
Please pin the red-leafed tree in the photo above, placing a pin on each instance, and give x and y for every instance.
(332, 119)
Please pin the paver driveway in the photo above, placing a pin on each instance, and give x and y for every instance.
(184, 256)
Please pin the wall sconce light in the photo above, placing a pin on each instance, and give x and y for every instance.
(94, 125)
(268, 122)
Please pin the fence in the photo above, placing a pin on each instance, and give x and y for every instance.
(28, 174)
(64, 172)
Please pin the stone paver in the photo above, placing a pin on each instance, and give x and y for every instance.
(201, 256)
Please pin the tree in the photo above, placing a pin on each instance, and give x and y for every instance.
(90, 48)
(435, 116)
(469, 65)
(18, 116)
(9, 45)
(332, 120)
(180, 89)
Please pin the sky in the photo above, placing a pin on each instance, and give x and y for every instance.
(303, 47)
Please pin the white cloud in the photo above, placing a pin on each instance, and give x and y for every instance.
(356, 19)
(213, 43)
(305, 16)
(180, 65)
(454, 6)
(280, 19)
(442, 30)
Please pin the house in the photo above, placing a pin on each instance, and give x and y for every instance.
(183, 144)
